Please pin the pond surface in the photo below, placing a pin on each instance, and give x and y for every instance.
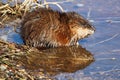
(104, 45)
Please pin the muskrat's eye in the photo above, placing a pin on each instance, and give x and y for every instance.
(72, 26)
(85, 25)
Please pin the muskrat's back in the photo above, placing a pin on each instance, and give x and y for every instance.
(48, 28)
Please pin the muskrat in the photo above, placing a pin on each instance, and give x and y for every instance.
(49, 28)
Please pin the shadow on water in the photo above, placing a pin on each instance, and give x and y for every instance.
(57, 60)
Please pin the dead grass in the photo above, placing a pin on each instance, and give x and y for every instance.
(9, 13)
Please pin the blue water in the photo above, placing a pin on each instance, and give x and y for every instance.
(104, 44)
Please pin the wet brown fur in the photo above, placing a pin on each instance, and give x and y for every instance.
(48, 28)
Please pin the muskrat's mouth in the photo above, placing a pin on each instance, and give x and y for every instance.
(83, 33)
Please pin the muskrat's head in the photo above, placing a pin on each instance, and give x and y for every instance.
(79, 26)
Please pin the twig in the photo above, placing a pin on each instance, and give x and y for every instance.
(45, 2)
(4, 18)
(117, 50)
(88, 14)
(56, 3)
(3, 42)
(4, 6)
(112, 21)
(0, 23)
(107, 58)
(103, 72)
(106, 39)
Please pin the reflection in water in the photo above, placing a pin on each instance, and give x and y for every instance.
(56, 60)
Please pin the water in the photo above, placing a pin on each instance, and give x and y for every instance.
(104, 44)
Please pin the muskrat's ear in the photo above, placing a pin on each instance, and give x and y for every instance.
(74, 14)
(70, 20)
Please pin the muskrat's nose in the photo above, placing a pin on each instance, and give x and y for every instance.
(91, 31)
(93, 28)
